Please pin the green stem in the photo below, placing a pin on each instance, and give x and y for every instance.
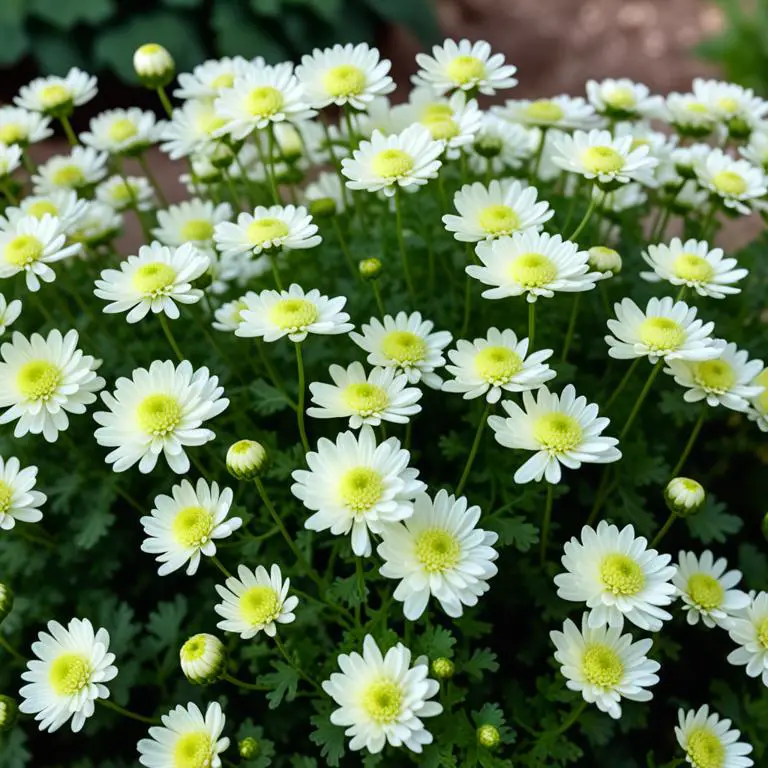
(344, 615)
(377, 296)
(575, 715)
(360, 574)
(215, 560)
(401, 244)
(232, 188)
(267, 170)
(641, 397)
(127, 496)
(67, 126)
(546, 523)
(473, 450)
(571, 326)
(689, 445)
(6, 646)
(336, 165)
(593, 200)
(153, 181)
(623, 383)
(660, 535)
(537, 159)
(273, 374)
(600, 495)
(126, 712)
(681, 293)
(165, 101)
(531, 325)
(467, 306)
(271, 152)
(243, 684)
(25, 534)
(275, 271)
(302, 393)
(299, 670)
(169, 335)
(344, 247)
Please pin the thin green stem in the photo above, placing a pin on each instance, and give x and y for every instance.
(271, 142)
(664, 528)
(169, 335)
(25, 534)
(401, 244)
(215, 560)
(467, 306)
(127, 712)
(531, 325)
(575, 715)
(67, 126)
(302, 393)
(545, 525)
(232, 188)
(593, 201)
(267, 170)
(153, 180)
(273, 374)
(537, 158)
(344, 615)
(641, 397)
(600, 495)
(8, 648)
(336, 165)
(689, 445)
(360, 575)
(571, 326)
(165, 101)
(377, 296)
(473, 450)
(302, 674)
(681, 293)
(275, 271)
(242, 684)
(623, 383)
(344, 247)
(127, 496)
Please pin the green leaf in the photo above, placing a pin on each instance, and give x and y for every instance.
(453, 445)
(483, 660)
(515, 531)
(347, 591)
(266, 7)
(14, 749)
(330, 739)
(420, 18)
(435, 642)
(65, 14)
(237, 34)
(754, 565)
(266, 398)
(164, 623)
(284, 682)
(182, 3)
(55, 54)
(15, 42)
(328, 10)
(12, 12)
(713, 523)
(93, 527)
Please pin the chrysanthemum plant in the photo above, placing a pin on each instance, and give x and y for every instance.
(400, 440)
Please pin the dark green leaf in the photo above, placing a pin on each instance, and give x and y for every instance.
(330, 739)
(67, 13)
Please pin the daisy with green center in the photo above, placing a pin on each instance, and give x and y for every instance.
(57, 96)
(123, 131)
(623, 99)
(273, 315)
(191, 221)
(565, 112)
(464, 66)
(605, 666)
(356, 486)
(23, 127)
(531, 264)
(28, 245)
(750, 632)
(255, 601)
(618, 577)
(381, 395)
(68, 676)
(63, 204)
(82, 168)
(736, 183)
(157, 279)
(126, 193)
(693, 264)
(497, 210)
(186, 524)
(689, 115)
(500, 147)
(192, 129)
(19, 501)
(440, 552)
(207, 80)
(42, 380)
(158, 411)
(9, 312)
(709, 741)
(382, 698)
(732, 103)
(203, 659)
(707, 590)
(187, 739)
(758, 411)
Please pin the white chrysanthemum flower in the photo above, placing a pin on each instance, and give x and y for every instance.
(10, 159)
(689, 115)
(599, 155)
(23, 127)
(729, 101)
(605, 666)
(499, 362)
(737, 183)
(207, 80)
(382, 395)
(565, 112)
(82, 167)
(18, 498)
(99, 223)
(203, 659)
(56, 95)
(466, 66)
(709, 741)
(756, 150)
(157, 279)
(228, 316)
(387, 162)
(498, 210)
(453, 122)
(9, 312)
(186, 524)
(667, 328)
(158, 411)
(562, 431)
(44, 379)
(692, 263)
(707, 591)
(759, 404)
(355, 486)
(272, 315)
(193, 128)
(623, 99)
(618, 577)
(62, 204)
(327, 186)
(255, 601)
(123, 131)
(438, 551)
(68, 676)
(191, 221)
(500, 146)
(382, 698)
(750, 632)
(532, 264)
(187, 739)
(407, 344)
(124, 193)
(726, 380)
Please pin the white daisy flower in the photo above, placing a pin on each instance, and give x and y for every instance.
(382, 395)
(759, 404)
(63, 204)
(618, 577)
(565, 112)
(382, 698)
(692, 263)
(667, 328)
(327, 186)
(466, 66)
(207, 80)
(499, 362)
(272, 315)
(81, 168)
(187, 739)
(726, 380)
(9, 312)
(689, 115)
(562, 430)
(255, 601)
(228, 316)
(193, 128)
(623, 99)
(158, 411)
(409, 158)
(191, 221)
(100, 223)
(605, 666)
(44, 379)
(58, 96)
(123, 194)
(737, 183)
(22, 127)
(19, 501)
(709, 741)
(123, 131)
(498, 210)
(532, 264)
(756, 151)
(68, 676)
(453, 122)
(355, 486)
(729, 101)
(157, 279)
(500, 146)
(707, 591)
(750, 632)
(10, 159)
(438, 551)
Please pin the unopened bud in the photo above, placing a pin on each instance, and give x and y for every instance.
(246, 459)
(684, 496)
(603, 259)
(765, 527)
(323, 208)
(739, 128)
(203, 659)
(488, 146)
(370, 269)
(443, 668)
(248, 748)
(154, 65)
(9, 711)
(6, 601)
(488, 736)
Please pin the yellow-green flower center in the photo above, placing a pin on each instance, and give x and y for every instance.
(499, 220)
(762, 633)
(602, 160)
(435, 111)
(365, 398)
(761, 380)
(193, 649)
(196, 229)
(122, 193)
(697, 107)
(621, 575)
(6, 497)
(729, 183)
(441, 127)
(122, 129)
(38, 379)
(193, 750)
(557, 432)
(264, 101)
(689, 266)
(293, 313)
(404, 346)
(54, 95)
(602, 666)
(12, 133)
(728, 104)
(192, 526)
(23, 250)
(466, 69)
(544, 111)
(344, 80)
(39, 208)
(260, 605)
(383, 700)
(361, 488)
(159, 414)
(68, 176)
(714, 375)
(224, 80)
(263, 231)
(705, 591)
(620, 97)
(705, 749)
(437, 550)
(532, 270)
(391, 163)
(661, 334)
(209, 122)
(497, 365)
(154, 278)
(69, 673)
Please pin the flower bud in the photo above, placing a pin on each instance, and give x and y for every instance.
(246, 459)
(323, 208)
(488, 736)
(443, 668)
(6, 601)
(765, 527)
(488, 146)
(222, 155)
(603, 259)
(370, 269)
(154, 65)
(9, 711)
(205, 281)
(739, 128)
(248, 748)
(203, 659)
(684, 496)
